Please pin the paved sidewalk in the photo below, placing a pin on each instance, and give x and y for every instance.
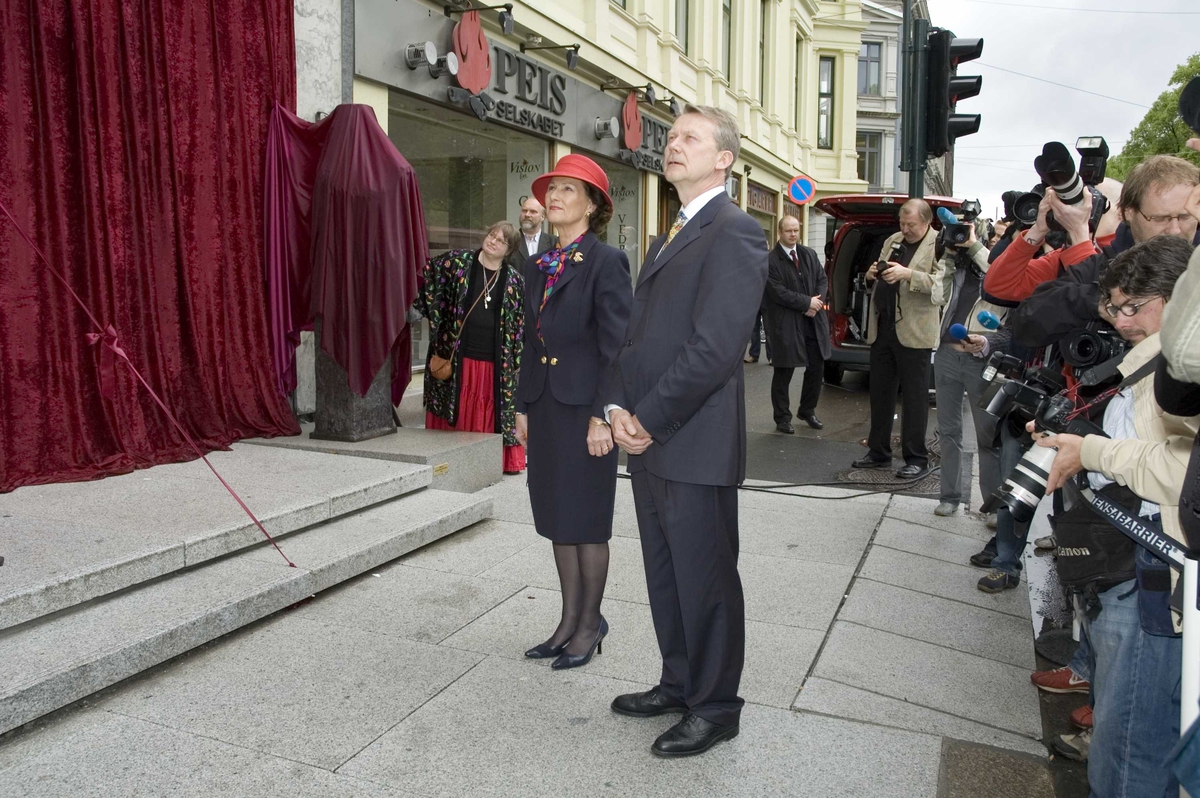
(410, 680)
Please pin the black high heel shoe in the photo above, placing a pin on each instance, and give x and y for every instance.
(545, 650)
(578, 660)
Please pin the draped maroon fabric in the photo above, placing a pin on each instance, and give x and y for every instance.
(346, 242)
(131, 148)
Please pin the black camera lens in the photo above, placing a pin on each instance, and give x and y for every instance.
(1025, 207)
(1056, 168)
(1189, 104)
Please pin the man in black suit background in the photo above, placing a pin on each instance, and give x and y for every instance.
(676, 402)
(797, 327)
(533, 240)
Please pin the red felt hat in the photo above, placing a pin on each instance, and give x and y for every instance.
(579, 167)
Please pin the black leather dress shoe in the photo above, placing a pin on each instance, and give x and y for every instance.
(786, 428)
(911, 471)
(812, 421)
(692, 735)
(871, 462)
(647, 704)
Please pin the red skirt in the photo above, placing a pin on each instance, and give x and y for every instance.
(477, 408)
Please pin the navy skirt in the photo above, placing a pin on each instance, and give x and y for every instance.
(572, 492)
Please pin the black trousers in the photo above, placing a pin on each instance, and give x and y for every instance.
(892, 366)
(690, 548)
(756, 339)
(810, 391)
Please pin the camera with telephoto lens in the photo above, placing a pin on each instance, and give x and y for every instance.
(1092, 345)
(1037, 395)
(1057, 170)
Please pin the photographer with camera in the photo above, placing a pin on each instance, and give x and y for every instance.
(956, 364)
(903, 330)
(1136, 679)
(1153, 202)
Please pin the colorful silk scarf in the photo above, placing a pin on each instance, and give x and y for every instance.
(552, 263)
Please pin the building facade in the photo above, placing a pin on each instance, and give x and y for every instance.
(784, 68)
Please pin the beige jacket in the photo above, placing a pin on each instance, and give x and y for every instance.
(1154, 464)
(919, 301)
(1181, 325)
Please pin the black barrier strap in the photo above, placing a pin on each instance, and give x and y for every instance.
(1147, 534)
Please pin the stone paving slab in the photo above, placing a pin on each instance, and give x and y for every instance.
(931, 676)
(952, 624)
(401, 601)
(507, 729)
(510, 500)
(920, 511)
(777, 657)
(534, 565)
(462, 461)
(296, 688)
(474, 550)
(938, 578)
(977, 771)
(826, 532)
(842, 701)
(927, 542)
(119, 755)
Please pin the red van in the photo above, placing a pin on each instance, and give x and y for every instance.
(865, 221)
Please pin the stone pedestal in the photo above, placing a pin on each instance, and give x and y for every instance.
(341, 414)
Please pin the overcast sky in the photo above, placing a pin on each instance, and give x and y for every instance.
(1129, 56)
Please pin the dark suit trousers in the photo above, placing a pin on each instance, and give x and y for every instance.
(810, 391)
(690, 547)
(892, 366)
(756, 342)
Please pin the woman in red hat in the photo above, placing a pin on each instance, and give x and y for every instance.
(577, 306)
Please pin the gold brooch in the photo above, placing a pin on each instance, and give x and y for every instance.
(578, 257)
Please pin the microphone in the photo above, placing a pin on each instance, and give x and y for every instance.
(989, 320)
(946, 216)
(958, 332)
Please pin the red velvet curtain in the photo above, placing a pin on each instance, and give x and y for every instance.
(131, 147)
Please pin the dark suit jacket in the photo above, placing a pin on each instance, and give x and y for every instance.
(547, 242)
(583, 326)
(681, 372)
(787, 298)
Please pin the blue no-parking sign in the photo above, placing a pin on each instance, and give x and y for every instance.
(801, 189)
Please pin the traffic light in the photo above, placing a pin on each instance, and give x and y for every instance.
(944, 88)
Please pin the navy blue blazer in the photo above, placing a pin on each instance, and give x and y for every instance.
(583, 326)
(680, 371)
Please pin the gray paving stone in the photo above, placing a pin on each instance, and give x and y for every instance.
(843, 701)
(477, 548)
(119, 755)
(957, 582)
(510, 500)
(818, 531)
(920, 511)
(534, 565)
(792, 592)
(777, 657)
(972, 630)
(35, 738)
(401, 601)
(927, 542)
(296, 688)
(930, 676)
(507, 729)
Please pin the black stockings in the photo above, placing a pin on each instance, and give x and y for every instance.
(582, 573)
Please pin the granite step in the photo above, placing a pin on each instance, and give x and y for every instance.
(461, 461)
(66, 544)
(55, 660)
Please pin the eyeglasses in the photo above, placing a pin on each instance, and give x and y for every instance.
(496, 236)
(1129, 309)
(1166, 218)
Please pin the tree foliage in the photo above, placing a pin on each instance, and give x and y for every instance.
(1161, 131)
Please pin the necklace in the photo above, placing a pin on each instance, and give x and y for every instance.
(488, 285)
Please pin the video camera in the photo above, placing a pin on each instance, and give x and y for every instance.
(1056, 169)
(955, 233)
(1036, 395)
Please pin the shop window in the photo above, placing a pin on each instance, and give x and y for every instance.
(625, 230)
(471, 174)
(825, 104)
(868, 158)
(868, 68)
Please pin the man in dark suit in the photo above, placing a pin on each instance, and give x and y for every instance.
(533, 240)
(797, 326)
(676, 403)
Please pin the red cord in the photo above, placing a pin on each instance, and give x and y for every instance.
(107, 336)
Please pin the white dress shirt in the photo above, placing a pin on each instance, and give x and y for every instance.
(531, 242)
